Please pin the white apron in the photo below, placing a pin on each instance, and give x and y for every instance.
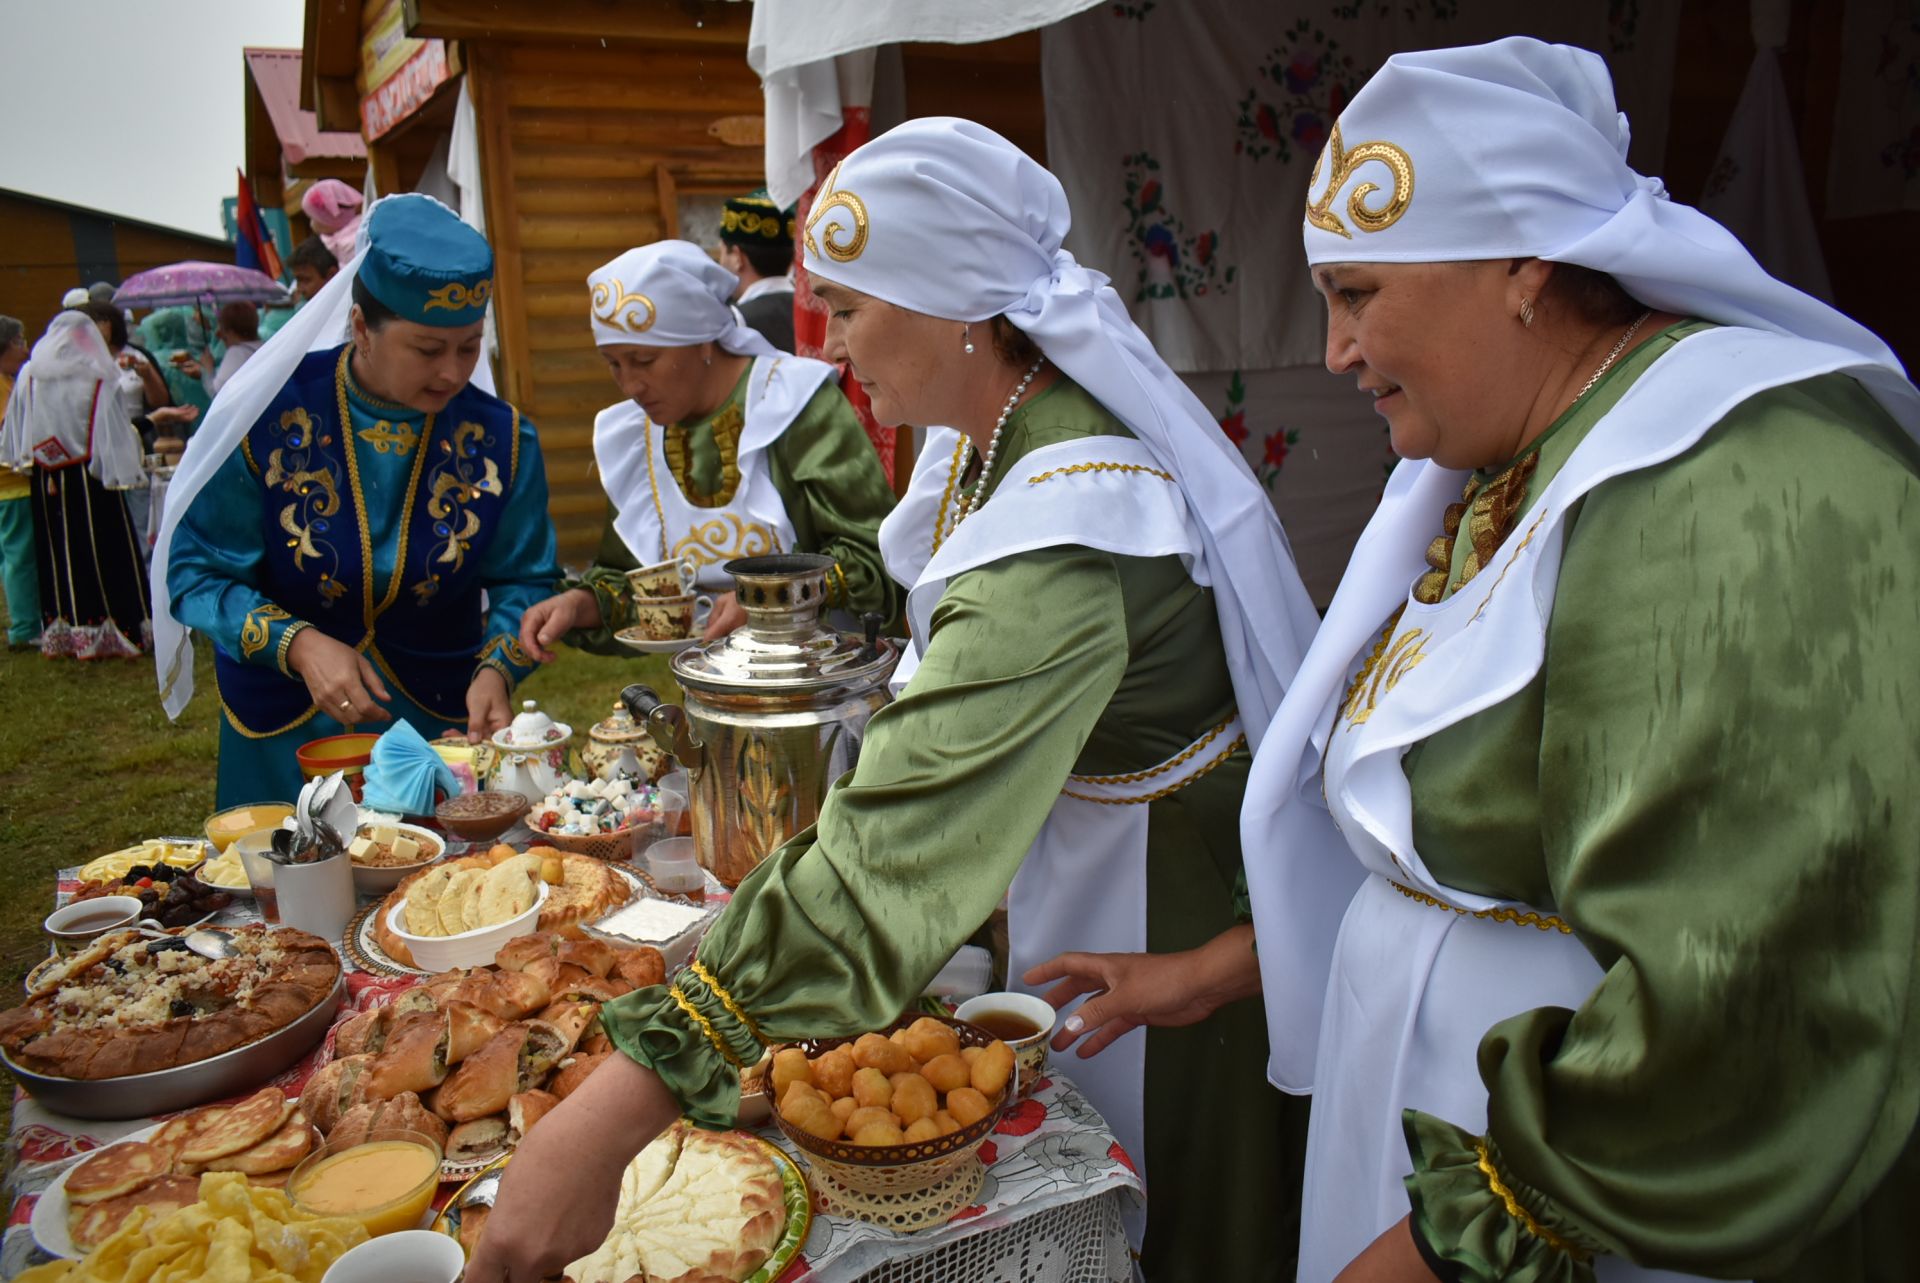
(920, 523)
(1083, 884)
(656, 520)
(1392, 1018)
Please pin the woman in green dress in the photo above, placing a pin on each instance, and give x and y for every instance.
(721, 447)
(1610, 712)
(1109, 621)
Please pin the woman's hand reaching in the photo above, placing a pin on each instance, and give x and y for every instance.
(1134, 989)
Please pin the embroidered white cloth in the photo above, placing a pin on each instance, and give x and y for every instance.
(66, 407)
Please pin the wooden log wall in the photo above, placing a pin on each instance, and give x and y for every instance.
(585, 148)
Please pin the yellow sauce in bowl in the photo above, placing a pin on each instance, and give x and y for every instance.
(384, 1184)
(223, 828)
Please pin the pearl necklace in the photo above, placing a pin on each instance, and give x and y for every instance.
(975, 498)
(1614, 355)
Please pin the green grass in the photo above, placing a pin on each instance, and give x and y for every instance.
(89, 763)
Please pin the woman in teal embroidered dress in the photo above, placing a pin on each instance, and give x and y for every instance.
(367, 551)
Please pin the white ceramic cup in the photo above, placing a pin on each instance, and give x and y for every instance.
(409, 1256)
(74, 925)
(1030, 1052)
(316, 897)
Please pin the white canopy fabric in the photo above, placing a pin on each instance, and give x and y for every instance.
(797, 46)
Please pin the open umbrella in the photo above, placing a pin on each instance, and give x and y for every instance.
(192, 283)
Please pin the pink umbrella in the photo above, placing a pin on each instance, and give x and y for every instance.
(193, 283)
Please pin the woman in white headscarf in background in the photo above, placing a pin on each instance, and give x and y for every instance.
(65, 422)
(1614, 709)
(1111, 617)
(722, 446)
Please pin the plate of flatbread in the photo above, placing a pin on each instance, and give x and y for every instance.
(719, 1207)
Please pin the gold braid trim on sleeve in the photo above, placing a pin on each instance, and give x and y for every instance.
(1519, 1213)
(706, 1027)
(734, 1009)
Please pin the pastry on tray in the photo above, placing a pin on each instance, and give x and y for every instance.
(130, 1005)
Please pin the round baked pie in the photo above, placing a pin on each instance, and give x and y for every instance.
(131, 1005)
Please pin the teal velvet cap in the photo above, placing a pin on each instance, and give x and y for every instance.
(425, 264)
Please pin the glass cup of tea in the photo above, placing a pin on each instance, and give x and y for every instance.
(1020, 1020)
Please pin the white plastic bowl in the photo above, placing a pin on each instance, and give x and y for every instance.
(371, 879)
(470, 948)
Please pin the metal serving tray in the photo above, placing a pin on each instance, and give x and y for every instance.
(163, 1090)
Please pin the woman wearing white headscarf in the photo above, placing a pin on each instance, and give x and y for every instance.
(1611, 711)
(65, 421)
(722, 447)
(1111, 617)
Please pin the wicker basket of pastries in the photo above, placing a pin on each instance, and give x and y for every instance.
(475, 1058)
(129, 1005)
(896, 1112)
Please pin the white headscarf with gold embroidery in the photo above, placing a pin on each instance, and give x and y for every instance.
(1515, 149)
(947, 218)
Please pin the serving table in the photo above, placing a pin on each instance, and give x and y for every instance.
(1052, 1208)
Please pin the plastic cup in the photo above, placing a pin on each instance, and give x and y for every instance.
(673, 869)
(669, 809)
(259, 870)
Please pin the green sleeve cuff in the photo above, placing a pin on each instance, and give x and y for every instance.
(505, 655)
(684, 1032)
(1472, 1214)
(608, 584)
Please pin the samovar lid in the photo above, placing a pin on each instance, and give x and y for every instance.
(783, 646)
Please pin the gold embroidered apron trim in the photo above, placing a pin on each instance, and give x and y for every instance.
(1528, 918)
(1517, 1211)
(233, 720)
(940, 528)
(1180, 767)
(1051, 473)
(371, 612)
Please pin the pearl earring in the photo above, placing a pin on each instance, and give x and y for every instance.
(1526, 312)
(966, 335)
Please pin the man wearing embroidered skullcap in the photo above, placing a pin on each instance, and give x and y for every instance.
(1104, 615)
(358, 527)
(756, 245)
(720, 447)
(1582, 851)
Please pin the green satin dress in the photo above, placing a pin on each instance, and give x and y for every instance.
(829, 479)
(1037, 665)
(1715, 780)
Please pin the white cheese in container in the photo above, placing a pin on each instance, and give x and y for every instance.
(673, 929)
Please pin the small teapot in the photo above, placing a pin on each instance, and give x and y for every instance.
(530, 756)
(621, 745)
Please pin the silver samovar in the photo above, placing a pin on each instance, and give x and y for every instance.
(774, 712)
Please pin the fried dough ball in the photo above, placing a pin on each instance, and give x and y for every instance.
(967, 1106)
(971, 1054)
(798, 1088)
(913, 1099)
(926, 1038)
(946, 1072)
(873, 1051)
(842, 1107)
(947, 1123)
(992, 1069)
(790, 1065)
(870, 1087)
(807, 1111)
(887, 1133)
(923, 1129)
(860, 1119)
(833, 1072)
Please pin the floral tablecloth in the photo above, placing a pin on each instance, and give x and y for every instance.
(1048, 1152)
